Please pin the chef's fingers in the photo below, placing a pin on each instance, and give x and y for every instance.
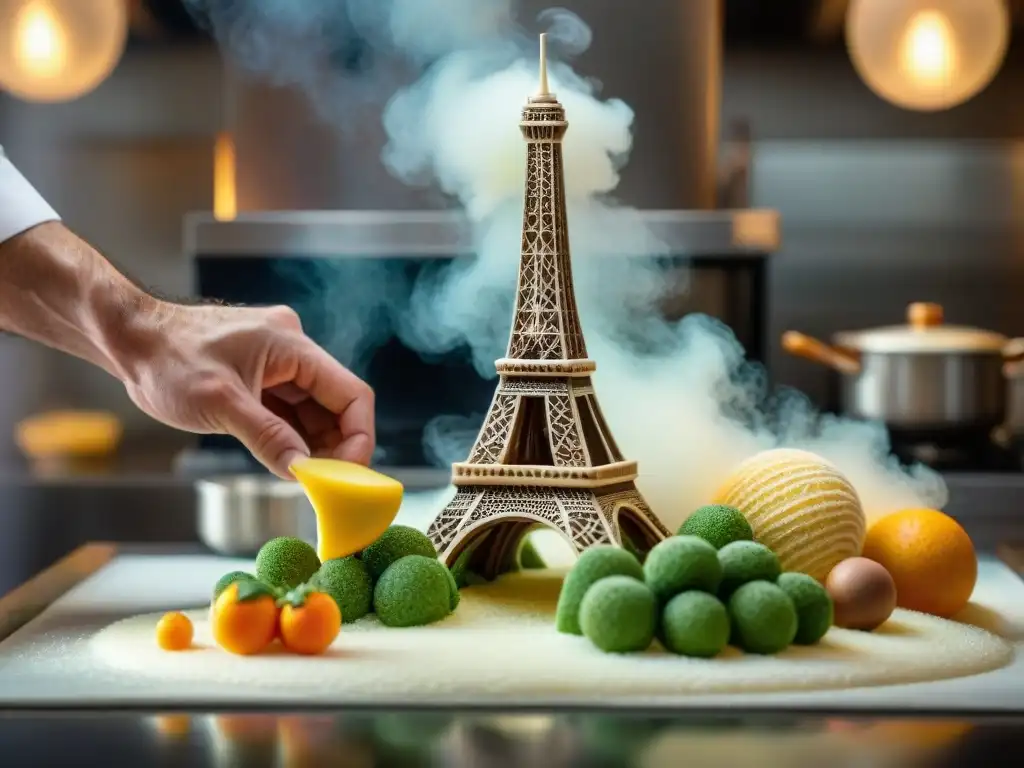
(343, 393)
(283, 410)
(270, 438)
(288, 393)
(314, 420)
(355, 447)
(317, 426)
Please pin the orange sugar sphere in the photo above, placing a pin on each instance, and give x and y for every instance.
(310, 627)
(174, 632)
(245, 618)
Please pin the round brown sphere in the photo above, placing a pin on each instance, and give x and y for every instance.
(863, 593)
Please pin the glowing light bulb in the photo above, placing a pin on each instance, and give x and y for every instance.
(927, 55)
(40, 45)
(56, 50)
(928, 52)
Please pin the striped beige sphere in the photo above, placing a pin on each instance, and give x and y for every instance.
(799, 506)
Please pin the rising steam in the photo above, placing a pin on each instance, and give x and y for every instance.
(679, 397)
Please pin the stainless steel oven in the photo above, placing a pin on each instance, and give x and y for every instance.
(278, 258)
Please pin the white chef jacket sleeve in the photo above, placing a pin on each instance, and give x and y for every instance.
(21, 206)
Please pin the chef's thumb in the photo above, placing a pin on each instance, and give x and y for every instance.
(271, 439)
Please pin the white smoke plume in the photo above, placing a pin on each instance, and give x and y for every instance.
(679, 397)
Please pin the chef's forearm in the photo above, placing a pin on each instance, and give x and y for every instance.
(57, 290)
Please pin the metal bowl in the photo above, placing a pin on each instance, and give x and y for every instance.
(238, 514)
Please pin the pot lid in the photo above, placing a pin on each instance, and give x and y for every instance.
(924, 332)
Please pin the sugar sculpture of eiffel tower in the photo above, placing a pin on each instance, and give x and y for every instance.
(544, 455)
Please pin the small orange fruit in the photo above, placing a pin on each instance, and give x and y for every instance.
(174, 632)
(931, 559)
(245, 618)
(310, 622)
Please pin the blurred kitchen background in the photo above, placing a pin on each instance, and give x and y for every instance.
(882, 198)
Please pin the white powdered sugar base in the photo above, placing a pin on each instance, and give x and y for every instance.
(501, 645)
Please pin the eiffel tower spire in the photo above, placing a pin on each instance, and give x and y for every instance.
(546, 324)
(544, 455)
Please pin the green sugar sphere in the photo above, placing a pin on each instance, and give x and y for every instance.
(630, 546)
(593, 564)
(695, 623)
(413, 591)
(286, 562)
(680, 563)
(718, 525)
(453, 589)
(529, 557)
(814, 609)
(744, 561)
(396, 542)
(472, 579)
(619, 614)
(460, 568)
(228, 579)
(764, 617)
(347, 581)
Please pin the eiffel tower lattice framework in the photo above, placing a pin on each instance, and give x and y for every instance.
(544, 455)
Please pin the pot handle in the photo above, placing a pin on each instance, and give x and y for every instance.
(801, 345)
(1013, 351)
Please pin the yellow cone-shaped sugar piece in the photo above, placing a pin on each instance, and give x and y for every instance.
(354, 505)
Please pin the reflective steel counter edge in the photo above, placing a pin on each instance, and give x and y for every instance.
(470, 739)
(334, 234)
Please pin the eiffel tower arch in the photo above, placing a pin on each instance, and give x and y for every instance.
(490, 524)
(544, 454)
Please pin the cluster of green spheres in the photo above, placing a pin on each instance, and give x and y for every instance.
(709, 586)
(398, 577)
(282, 564)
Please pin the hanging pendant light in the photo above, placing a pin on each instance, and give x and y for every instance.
(59, 50)
(927, 55)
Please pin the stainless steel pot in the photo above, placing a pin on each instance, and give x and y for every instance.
(924, 376)
(238, 514)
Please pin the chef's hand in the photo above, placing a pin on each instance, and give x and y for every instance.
(247, 372)
(253, 373)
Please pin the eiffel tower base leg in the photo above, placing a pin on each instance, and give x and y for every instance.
(488, 523)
